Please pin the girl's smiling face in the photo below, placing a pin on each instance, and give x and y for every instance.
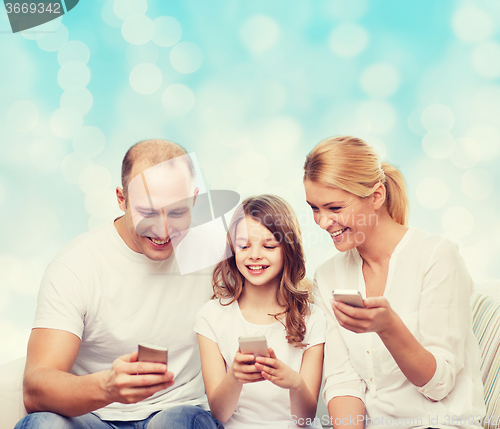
(258, 254)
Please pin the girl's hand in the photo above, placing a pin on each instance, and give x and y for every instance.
(378, 316)
(243, 368)
(277, 372)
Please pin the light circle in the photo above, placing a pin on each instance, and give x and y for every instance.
(127, 8)
(252, 165)
(281, 135)
(100, 202)
(415, 123)
(379, 116)
(145, 78)
(348, 40)
(432, 192)
(80, 100)
(138, 54)
(379, 80)
(73, 76)
(73, 165)
(259, 33)
(89, 141)
(437, 117)
(109, 16)
(65, 122)
(93, 178)
(54, 40)
(486, 60)
(22, 116)
(137, 29)
(73, 50)
(177, 100)
(167, 31)
(472, 24)
(488, 138)
(186, 57)
(477, 184)
(438, 144)
(467, 153)
(457, 222)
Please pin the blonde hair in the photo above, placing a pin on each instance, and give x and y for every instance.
(278, 217)
(351, 164)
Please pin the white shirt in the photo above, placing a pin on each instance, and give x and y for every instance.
(429, 288)
(260, 404)
(113, 298)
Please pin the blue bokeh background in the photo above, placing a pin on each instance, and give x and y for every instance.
(250, 87)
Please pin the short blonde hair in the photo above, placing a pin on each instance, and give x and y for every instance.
(351, 164)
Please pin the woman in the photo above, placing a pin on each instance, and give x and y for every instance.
(409, 358)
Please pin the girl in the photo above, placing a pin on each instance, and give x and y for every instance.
(256, 293)
(417, 362)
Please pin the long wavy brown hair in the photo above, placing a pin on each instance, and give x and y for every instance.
(278, 217)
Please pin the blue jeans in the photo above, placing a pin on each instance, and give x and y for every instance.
(181, 417)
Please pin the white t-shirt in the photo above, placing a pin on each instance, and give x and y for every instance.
(429, 288)
(113, 298)
(260, 404)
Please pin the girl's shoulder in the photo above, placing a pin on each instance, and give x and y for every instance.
(315, 315)
(315, 326)
(215, 306)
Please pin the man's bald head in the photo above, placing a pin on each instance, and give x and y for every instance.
(149, 153)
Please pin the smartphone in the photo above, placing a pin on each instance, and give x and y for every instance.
(151, 353)
(348, 296)
(254, 345)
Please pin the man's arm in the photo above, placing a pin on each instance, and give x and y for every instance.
(48, 385)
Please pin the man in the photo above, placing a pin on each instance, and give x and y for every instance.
(112, 288)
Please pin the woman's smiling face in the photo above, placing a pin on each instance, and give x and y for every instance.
(345, 216)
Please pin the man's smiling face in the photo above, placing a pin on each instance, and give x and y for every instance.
(158, 207)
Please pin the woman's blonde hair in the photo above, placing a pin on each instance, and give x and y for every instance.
(278, 217)
(351, 164)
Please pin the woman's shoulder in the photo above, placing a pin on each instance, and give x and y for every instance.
(430, 244)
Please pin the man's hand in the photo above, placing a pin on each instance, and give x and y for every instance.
(129, 381)
(244, 370)
(377, 316)
(277, 372)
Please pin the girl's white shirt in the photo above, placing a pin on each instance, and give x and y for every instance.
(429, 287)
(260, 404)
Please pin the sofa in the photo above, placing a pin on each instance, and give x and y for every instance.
(485, 302)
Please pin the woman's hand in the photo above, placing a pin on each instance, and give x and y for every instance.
(244, 370)
(377, 316)
(277, 372)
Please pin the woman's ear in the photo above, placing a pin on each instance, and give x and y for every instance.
(379, 195)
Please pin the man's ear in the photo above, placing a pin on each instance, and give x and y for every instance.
(196, 192)
(122, 202)
(379, 196)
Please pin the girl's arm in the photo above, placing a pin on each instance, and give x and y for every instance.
(303, 387)
(224, 388)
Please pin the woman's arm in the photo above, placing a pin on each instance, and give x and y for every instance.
(431, 361)
(224, 388)
(346, 412)
(416, 363)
